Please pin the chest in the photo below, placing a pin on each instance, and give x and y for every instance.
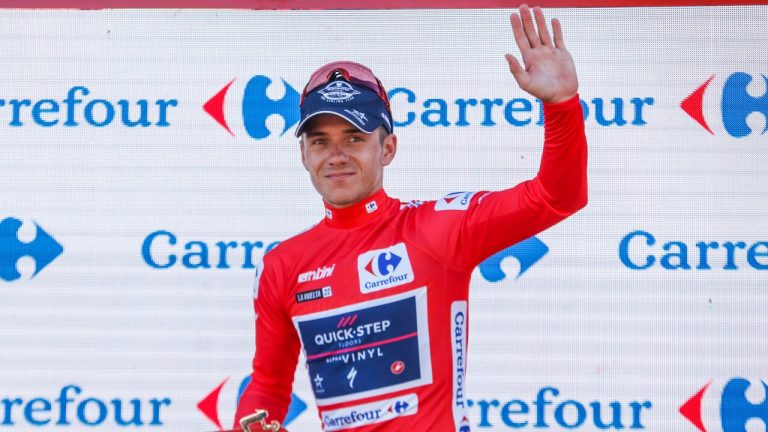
(361, 307)
(345, 270)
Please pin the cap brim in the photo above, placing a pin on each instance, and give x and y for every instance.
(348, 117)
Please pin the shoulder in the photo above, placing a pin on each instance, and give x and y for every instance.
(279, 262)
(411, 205)
(450, 204)
(292, 248)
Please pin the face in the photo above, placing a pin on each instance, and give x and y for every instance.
(345, 164)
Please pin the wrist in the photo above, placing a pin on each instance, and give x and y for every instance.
(561, 100)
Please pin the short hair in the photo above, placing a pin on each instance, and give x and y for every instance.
(383, 134)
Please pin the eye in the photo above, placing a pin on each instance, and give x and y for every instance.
(319, 141)
(356, 138)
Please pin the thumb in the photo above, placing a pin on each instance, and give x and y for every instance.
(520, 74)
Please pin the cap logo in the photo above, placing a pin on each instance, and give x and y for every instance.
(338, 91)
(358, 115)
(386, 119)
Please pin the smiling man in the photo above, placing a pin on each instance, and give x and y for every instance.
(375, 295)
(345, 163)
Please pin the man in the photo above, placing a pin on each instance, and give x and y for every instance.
(375, 295)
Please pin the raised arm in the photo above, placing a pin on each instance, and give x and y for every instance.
(487, 222)
(550, 75)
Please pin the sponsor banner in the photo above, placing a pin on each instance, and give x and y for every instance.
(414, 109)
(74, 406)
(81, 108)
(641, 250)
(553, 408)
(143, 182)
(162, 249)
(367, 349)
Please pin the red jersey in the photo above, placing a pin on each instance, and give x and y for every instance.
(376, 294)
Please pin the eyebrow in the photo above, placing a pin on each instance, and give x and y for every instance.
(348, 131)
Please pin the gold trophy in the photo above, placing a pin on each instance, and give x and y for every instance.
(259, 418)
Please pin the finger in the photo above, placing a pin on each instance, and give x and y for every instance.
(517, 70)
(530, 29)
(557, 31)
(541, 23)
(517, 30)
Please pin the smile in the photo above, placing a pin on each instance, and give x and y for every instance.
(339, 176)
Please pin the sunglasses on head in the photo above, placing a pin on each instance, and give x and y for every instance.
(352, 72)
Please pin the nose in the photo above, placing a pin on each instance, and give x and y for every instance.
(337, 154)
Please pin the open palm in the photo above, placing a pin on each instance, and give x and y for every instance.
(549, 73)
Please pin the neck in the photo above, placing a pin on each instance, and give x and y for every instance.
(358, 213)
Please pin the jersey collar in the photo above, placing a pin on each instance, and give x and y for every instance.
(357, 214)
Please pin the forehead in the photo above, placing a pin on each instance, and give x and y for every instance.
(328, 123)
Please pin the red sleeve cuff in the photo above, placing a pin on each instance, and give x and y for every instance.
(561, 106)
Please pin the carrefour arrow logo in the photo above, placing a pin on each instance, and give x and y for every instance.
(736, 104)
(735, 409)
(43, 249)
(527, 252)
(385, 263)
(257, 107)
(691, 409)
(209, 405)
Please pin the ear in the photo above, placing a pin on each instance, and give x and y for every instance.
(303, 159)
(389, 149)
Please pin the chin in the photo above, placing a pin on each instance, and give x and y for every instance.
(342, 199)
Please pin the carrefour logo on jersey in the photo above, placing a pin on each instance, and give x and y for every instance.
(459, 349)
(384, 268)
(256, 109)
(454, 201)
(729, 99)
(79, 107)
(736, 410)
(370, 413)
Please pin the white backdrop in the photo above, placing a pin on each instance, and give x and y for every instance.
(579, 328)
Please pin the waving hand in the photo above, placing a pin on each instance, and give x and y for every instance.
(549, 73)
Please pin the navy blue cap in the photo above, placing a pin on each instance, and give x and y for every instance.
(355, 103)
